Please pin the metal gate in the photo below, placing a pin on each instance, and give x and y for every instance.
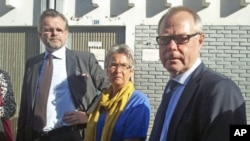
(96, 39)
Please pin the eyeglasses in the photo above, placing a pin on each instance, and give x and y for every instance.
(178, 39)
(121, 66)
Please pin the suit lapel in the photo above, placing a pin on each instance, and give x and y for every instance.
(70, 62)
(34, 75)
(185, 98)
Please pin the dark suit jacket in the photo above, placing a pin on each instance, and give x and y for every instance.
(209, 103)
(83, 91)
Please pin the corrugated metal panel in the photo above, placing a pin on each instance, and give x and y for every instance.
(108, 36)
(81, 40)
(96, 40)
(15, 47)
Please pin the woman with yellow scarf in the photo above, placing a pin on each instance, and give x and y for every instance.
(122, 113)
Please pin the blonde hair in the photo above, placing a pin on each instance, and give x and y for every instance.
(174, 10)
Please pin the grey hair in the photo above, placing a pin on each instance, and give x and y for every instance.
(121, 48)
(51, 13)
(174, 10)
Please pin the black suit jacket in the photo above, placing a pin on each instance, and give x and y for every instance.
(209, 103)
(83, 91)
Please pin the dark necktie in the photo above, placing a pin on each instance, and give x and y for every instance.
(39, 120)
(161, 112)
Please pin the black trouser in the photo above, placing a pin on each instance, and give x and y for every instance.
(65, 133)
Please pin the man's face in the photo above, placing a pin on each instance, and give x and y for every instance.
(54, 33)
(177, 57)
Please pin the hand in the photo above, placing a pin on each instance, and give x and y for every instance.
(75, 117)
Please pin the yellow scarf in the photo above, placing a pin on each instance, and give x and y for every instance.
(113, 107)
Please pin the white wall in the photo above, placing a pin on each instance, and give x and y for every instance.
(221, 12)
(117, 12)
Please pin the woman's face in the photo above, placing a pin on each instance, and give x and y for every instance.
(119, 70)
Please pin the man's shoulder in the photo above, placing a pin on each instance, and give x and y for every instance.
(35, 58)
(202, 72)
(76, 52)
(214, 75)
(210, 77)
(83, 55)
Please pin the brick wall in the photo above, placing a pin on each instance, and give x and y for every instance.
(226, 50)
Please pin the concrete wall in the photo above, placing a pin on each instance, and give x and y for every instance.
(227, 30)
(122, 12)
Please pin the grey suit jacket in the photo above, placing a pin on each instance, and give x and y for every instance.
(209, 103)
(83, 91)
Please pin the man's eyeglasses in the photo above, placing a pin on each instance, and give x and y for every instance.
(178, 39)
(121, 66)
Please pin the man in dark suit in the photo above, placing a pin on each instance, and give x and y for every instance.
(204, 103)
(75, 80)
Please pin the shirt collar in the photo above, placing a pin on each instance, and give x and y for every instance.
(184, 76)
(59, 54)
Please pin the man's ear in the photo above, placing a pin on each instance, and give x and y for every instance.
(201, 39)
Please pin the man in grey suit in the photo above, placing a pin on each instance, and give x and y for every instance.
(204, 103)
(76, 78)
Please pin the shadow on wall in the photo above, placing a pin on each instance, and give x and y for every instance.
(153, 7)
(4, 8)
(157, 6)
(227, 7)
(194, 4)
(82, 7)
(117, 7)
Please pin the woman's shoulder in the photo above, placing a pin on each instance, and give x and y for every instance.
(3, 75)
(139, 93)
(3, 72)
(139, 97)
